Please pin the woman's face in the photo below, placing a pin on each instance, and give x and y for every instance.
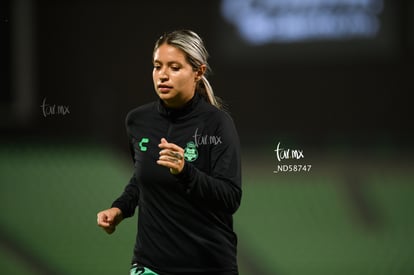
(174, 78)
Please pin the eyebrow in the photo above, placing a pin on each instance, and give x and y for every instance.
(168, 63)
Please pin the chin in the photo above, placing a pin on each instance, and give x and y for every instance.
(166, 97)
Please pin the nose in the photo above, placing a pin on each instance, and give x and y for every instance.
(163, 76)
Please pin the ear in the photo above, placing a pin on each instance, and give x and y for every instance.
(200, 72)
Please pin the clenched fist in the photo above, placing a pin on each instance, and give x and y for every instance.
(108, 219)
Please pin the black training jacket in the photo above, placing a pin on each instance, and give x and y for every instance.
(185, 223)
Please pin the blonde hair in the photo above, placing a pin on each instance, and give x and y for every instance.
(196, 54)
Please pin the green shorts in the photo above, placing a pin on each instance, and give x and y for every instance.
(140, 270)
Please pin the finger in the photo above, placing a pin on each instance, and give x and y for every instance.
(169, 159)
(104, 220)
(170, 146)
(171, 156)
(103, 223)
(168, 163)
(100, 218)
(175, 167)
(175, 160)
(164, 163)
(164, 152)
(174, 154)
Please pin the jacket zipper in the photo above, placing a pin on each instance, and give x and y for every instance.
(170, 126)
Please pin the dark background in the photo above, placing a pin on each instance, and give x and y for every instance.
(95, 57)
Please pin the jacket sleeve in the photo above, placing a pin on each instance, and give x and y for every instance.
(128, 201)
(221, 187)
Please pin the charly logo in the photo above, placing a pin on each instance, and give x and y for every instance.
(190, 152)
(142, 144)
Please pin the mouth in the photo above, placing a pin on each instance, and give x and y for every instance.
(164, 88)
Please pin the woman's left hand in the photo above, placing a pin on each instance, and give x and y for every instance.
(171, 156)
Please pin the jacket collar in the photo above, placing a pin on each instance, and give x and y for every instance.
(179, 112)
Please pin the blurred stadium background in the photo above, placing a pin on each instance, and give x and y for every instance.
(336, 89)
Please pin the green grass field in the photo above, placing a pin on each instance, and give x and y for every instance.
(288, 225)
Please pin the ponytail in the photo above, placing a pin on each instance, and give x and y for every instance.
(205, 90)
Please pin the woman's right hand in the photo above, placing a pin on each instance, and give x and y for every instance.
(108, 219)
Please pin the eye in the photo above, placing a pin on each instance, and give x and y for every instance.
(175, 68)
(157, 67)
